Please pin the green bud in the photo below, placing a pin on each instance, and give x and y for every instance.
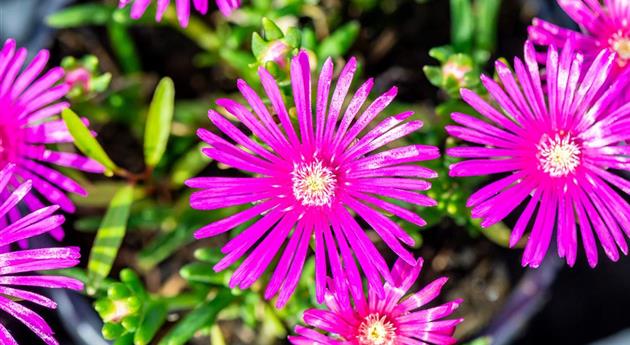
(131, 322)
(112, 331)
(118, 291)
(271, 31)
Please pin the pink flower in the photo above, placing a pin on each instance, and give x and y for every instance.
(393, 319)
(182, 6)
(29, 108)
(604, 26)
(14, 265)
(559, 150)
(306, 185)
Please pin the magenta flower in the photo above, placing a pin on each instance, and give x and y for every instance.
(14, 265)
(182, 7)
(351, 319)
(558, 149)
(306, 185)
(604, 26)
(29, 120)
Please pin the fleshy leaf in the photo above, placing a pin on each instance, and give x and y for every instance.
(81, 15)
(109, 237)
(203, 315)
(86, 142)
(159, 121)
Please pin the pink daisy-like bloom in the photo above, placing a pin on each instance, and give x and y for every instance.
(393, 319)
(29, 120)
(560, 147)
(604, 26)
(307, 185)
(17, 267)
(182, 8)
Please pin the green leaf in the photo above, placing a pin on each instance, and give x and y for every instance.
(240, 61)
(434, 74)
(100, 192)
(487, 12)
(81, 15)
(86, 143)
(216, 335)
(202, 316)
(462, 25)
(204, 273)
(153, 318)
(109, 237)
(271, 31)
(123, 47)
(500, 234)
(210, 255)
(159, 121)
(133, 282)
(441, 53)
(164, 245)
(112, 331)
(293, 37)
(309, 39)
(258, 45)
(339, 42)
(125, 339)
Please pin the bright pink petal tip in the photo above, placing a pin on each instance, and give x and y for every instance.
(182, 8)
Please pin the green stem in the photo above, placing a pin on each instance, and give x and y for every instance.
(197, 31)
(182, 301)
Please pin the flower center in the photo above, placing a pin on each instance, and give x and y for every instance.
(621, 44)
(558, 156)
(376, 330)
(457, 71)
(313, 183)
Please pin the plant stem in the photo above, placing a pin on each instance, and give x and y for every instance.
(197, 31)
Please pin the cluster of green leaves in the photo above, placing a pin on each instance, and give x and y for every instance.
(473, 41)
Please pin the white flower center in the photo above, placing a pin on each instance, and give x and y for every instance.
(313, 184)
(558, 156)
(621, 44)
(376, 330)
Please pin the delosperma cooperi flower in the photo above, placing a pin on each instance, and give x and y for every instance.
(395, 319)
(17, 268)
(29, 120)
(308, 183)
(182, 8)
(560, 149)
(605, 25)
